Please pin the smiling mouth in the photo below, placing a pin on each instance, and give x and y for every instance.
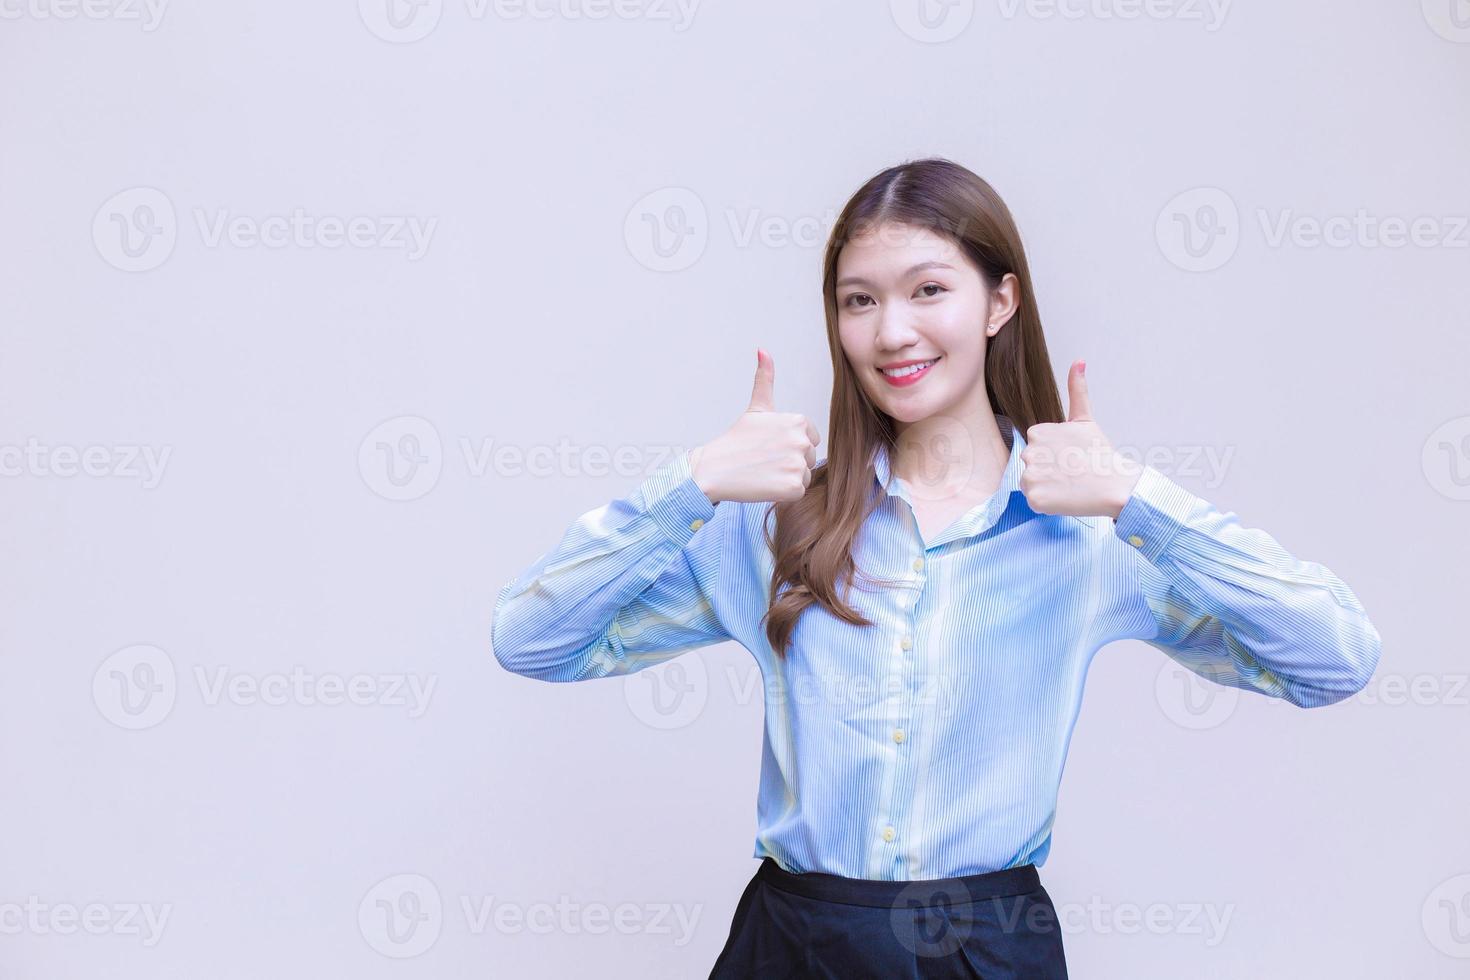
(910, 373)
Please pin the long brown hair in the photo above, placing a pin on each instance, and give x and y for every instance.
(813, 537)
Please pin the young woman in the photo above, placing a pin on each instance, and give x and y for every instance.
(923, 602)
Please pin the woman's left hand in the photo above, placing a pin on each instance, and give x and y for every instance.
(1071, 467)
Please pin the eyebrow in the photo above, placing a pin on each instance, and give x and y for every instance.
(860, 281)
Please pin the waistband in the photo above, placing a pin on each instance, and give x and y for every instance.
(924, 892)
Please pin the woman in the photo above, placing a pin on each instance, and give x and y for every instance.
(917, 726)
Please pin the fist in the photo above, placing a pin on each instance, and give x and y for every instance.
(1071, 467)
(765, 455)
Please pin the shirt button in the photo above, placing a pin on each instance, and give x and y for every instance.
(1135, 540)
(696, 524)
(889, 833)
(907, 643)
(918, 564)
(898, 735)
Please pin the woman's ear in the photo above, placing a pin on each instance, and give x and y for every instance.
(1003, 302)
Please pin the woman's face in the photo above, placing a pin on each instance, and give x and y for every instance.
(908, 296)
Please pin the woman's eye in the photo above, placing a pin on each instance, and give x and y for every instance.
(853, 299)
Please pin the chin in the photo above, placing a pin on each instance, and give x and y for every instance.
(908, 413)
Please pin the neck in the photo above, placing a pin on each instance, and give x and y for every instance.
(944, 456)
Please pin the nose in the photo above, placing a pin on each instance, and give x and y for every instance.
(895, 329)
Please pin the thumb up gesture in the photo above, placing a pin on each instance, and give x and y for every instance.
(765, 455)
(1070, 467)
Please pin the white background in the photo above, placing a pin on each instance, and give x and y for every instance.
(542, 312)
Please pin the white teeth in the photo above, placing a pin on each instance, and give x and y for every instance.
(905, 371)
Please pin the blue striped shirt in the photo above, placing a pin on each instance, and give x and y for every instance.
(931, 744)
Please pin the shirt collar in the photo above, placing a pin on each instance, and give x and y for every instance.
(1010, 481)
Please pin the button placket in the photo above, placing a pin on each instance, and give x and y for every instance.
(906, 641)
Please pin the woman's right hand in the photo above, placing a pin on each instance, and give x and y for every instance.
(765, 455)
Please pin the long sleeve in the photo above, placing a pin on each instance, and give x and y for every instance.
(629, 586)
(1233, 606)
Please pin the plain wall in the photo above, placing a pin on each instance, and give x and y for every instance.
(339, 437)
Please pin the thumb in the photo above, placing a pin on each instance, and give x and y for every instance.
(763, 394)
(1079, 404)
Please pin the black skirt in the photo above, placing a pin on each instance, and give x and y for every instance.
(998, 926)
